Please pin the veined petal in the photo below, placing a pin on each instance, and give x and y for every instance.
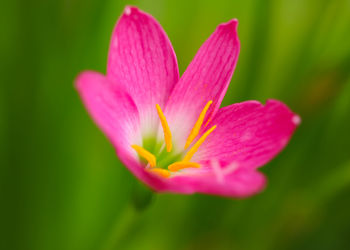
(115, 113)
(206, 78)
(249, 133)
(142, 60)
(111, 108)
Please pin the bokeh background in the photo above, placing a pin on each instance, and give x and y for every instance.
(62, 185)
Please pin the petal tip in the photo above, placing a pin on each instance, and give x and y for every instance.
(257, 187)
(231, 27)
(129, 10)
(296, 120)
(232, 24)
(86, 78)
(80, 79)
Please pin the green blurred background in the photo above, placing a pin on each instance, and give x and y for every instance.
(62, 185)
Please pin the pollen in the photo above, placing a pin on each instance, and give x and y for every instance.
(166, 129)
(197, 126)
(195, 147)
(182, 164)
(160, 172)
(149, 157)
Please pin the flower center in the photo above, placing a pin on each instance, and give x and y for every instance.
(173, 161)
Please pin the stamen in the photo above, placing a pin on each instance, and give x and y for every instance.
(182, 164)
(166, 129)
(197, 125)
(145, 154)
(160, 172)
(195, 147)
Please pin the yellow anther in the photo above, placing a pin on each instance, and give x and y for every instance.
(195, 147)
(182, 164)
(197, 126)
(166, 129)
(160, 172)
(145, 154)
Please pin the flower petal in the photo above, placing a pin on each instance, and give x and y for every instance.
(242, 183)
(116, 114)
(142, 60)
(112, 109)
(249, 134)
(206, 78)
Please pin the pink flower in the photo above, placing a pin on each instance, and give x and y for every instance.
(170, 131)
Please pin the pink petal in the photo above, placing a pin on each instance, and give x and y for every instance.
(242, 183)
(206, 78)
(112, 109)
(116, 114)
(239, 184)
(249, 134)
(142, 60)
